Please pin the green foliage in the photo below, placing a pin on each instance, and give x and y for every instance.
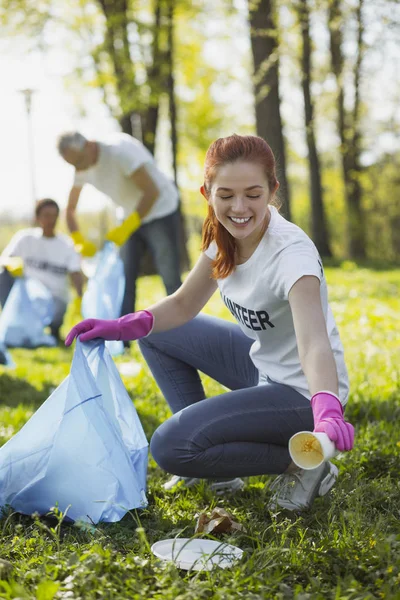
(201, 116)
(346, 547)
(382, 208)
(20, 16)
(335, 210)
(207, 93)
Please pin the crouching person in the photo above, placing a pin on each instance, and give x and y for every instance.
(44, 255)
(282, 360)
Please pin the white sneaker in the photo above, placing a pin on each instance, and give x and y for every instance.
(219, 487)
(228, 486)
(186, 482)
(297, 491)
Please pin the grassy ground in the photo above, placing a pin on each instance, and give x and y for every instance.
(347, 546)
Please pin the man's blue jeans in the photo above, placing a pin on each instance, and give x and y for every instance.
(237, 433)
(161, 237)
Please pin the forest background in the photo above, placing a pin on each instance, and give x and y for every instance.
(318, 79)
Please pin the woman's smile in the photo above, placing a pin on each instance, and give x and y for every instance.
(240, 221)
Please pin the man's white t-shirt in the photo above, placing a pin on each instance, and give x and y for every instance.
(120, 156)
(47, 259)
(256, 293)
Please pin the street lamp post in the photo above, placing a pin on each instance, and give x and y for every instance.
(27, 93)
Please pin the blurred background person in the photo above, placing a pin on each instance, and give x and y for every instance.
(47, 256)
(122, 168)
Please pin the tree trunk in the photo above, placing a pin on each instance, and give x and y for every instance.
(170, 62)
(171, 87)
(264, 45)
(357, 221)
(395, 231)
(126, 124)
(150, 119)
(319, 229)
(135, 121)
(348, 129)
(117, 44)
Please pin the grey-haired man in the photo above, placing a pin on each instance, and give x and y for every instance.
(123, 169)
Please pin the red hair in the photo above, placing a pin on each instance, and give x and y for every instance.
(249, 148)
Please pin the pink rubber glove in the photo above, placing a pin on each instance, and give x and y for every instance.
(129, 327)
(328, 418)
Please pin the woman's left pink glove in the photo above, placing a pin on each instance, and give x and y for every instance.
(328, 418)
(129, 327)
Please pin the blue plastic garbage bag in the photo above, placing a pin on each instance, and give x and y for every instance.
(28, 310)
(105, 291)
(83, 448)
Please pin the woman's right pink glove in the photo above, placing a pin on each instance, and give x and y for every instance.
(129, 327)
(328, 418)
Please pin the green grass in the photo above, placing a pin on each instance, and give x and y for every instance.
(347, 546)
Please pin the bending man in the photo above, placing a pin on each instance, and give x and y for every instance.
(123, 169)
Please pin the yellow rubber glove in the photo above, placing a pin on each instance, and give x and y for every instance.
(76, 311)
(119, 235)
(14, 265)
(83, 246)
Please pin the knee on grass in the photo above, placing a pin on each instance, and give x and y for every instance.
(172, 451)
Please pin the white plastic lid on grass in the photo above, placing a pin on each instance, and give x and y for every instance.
(129, 369)
(197, 554)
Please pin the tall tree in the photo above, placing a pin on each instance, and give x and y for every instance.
(170, 62)
(348, 124)
(319, 228)
(265, 50)
(170, 82)
(131, 99)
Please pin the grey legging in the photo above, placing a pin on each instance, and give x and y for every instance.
(238, 433)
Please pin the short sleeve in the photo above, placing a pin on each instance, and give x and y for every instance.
(132, 155)
(211, 251)
(294, 262)
(15, 247)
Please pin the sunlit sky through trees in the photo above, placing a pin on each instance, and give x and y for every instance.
(60, 102)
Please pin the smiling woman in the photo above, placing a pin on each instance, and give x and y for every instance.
(283, 360)
(241, 211)
(238, 191)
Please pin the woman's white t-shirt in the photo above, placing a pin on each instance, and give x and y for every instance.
(256, 293)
